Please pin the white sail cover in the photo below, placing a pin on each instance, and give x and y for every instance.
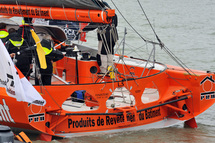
(21, 89)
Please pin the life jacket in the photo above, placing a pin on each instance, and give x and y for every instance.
(3, 33)
(17, 43)
(15, 39)
(47, 46)
(47, 50)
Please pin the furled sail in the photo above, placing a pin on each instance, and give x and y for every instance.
(72, 10)
(13, 81)
(79, 4)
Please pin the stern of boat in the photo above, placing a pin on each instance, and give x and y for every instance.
(21, 115)
(201, 88)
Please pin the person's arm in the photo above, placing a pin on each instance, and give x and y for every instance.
(7, 45)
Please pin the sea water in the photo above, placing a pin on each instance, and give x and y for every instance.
(187, 28)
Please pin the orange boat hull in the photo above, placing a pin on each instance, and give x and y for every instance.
(176, 102)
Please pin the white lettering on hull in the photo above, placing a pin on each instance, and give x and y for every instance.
(5, 113)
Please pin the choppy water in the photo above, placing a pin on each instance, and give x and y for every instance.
(187, 28)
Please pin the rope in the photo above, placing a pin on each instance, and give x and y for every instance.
(103, 37)
(176, 80)
(133, 27)
(19, 8)
(161, 44)
(178, 61)
(65, 13)
(175, 58)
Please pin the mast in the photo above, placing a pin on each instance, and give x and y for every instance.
(58, 13)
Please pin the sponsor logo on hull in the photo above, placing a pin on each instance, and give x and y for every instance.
(5, 113)
(207, 85)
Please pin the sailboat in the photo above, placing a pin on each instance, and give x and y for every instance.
(136, 94)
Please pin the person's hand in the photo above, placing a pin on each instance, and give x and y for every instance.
(12, 55)
(31, 66)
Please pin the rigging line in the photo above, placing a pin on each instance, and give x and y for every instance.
(146, 64)
(117, 49)
(177, 81)
(127, 82)
(64, 12)
(37, 70)
(134, 50)
(19, 8)
(98, 3)
(52, 97)
(115, 37)
(113, 33)
(161, 44)
(174, 57)
(40, 12)
(113, 92)
(179, 60)
(118, 44)
(180, 63)
(133, 27)
(129, 72)
(27, 11)
(104, 40)
(57, 121)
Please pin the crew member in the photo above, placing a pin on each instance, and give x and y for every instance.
(24, 31)
(107, 36)
(22, 58)
(52, 55)
(3, 32)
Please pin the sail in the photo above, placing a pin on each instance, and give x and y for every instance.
(15, 84)
(71, 10)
